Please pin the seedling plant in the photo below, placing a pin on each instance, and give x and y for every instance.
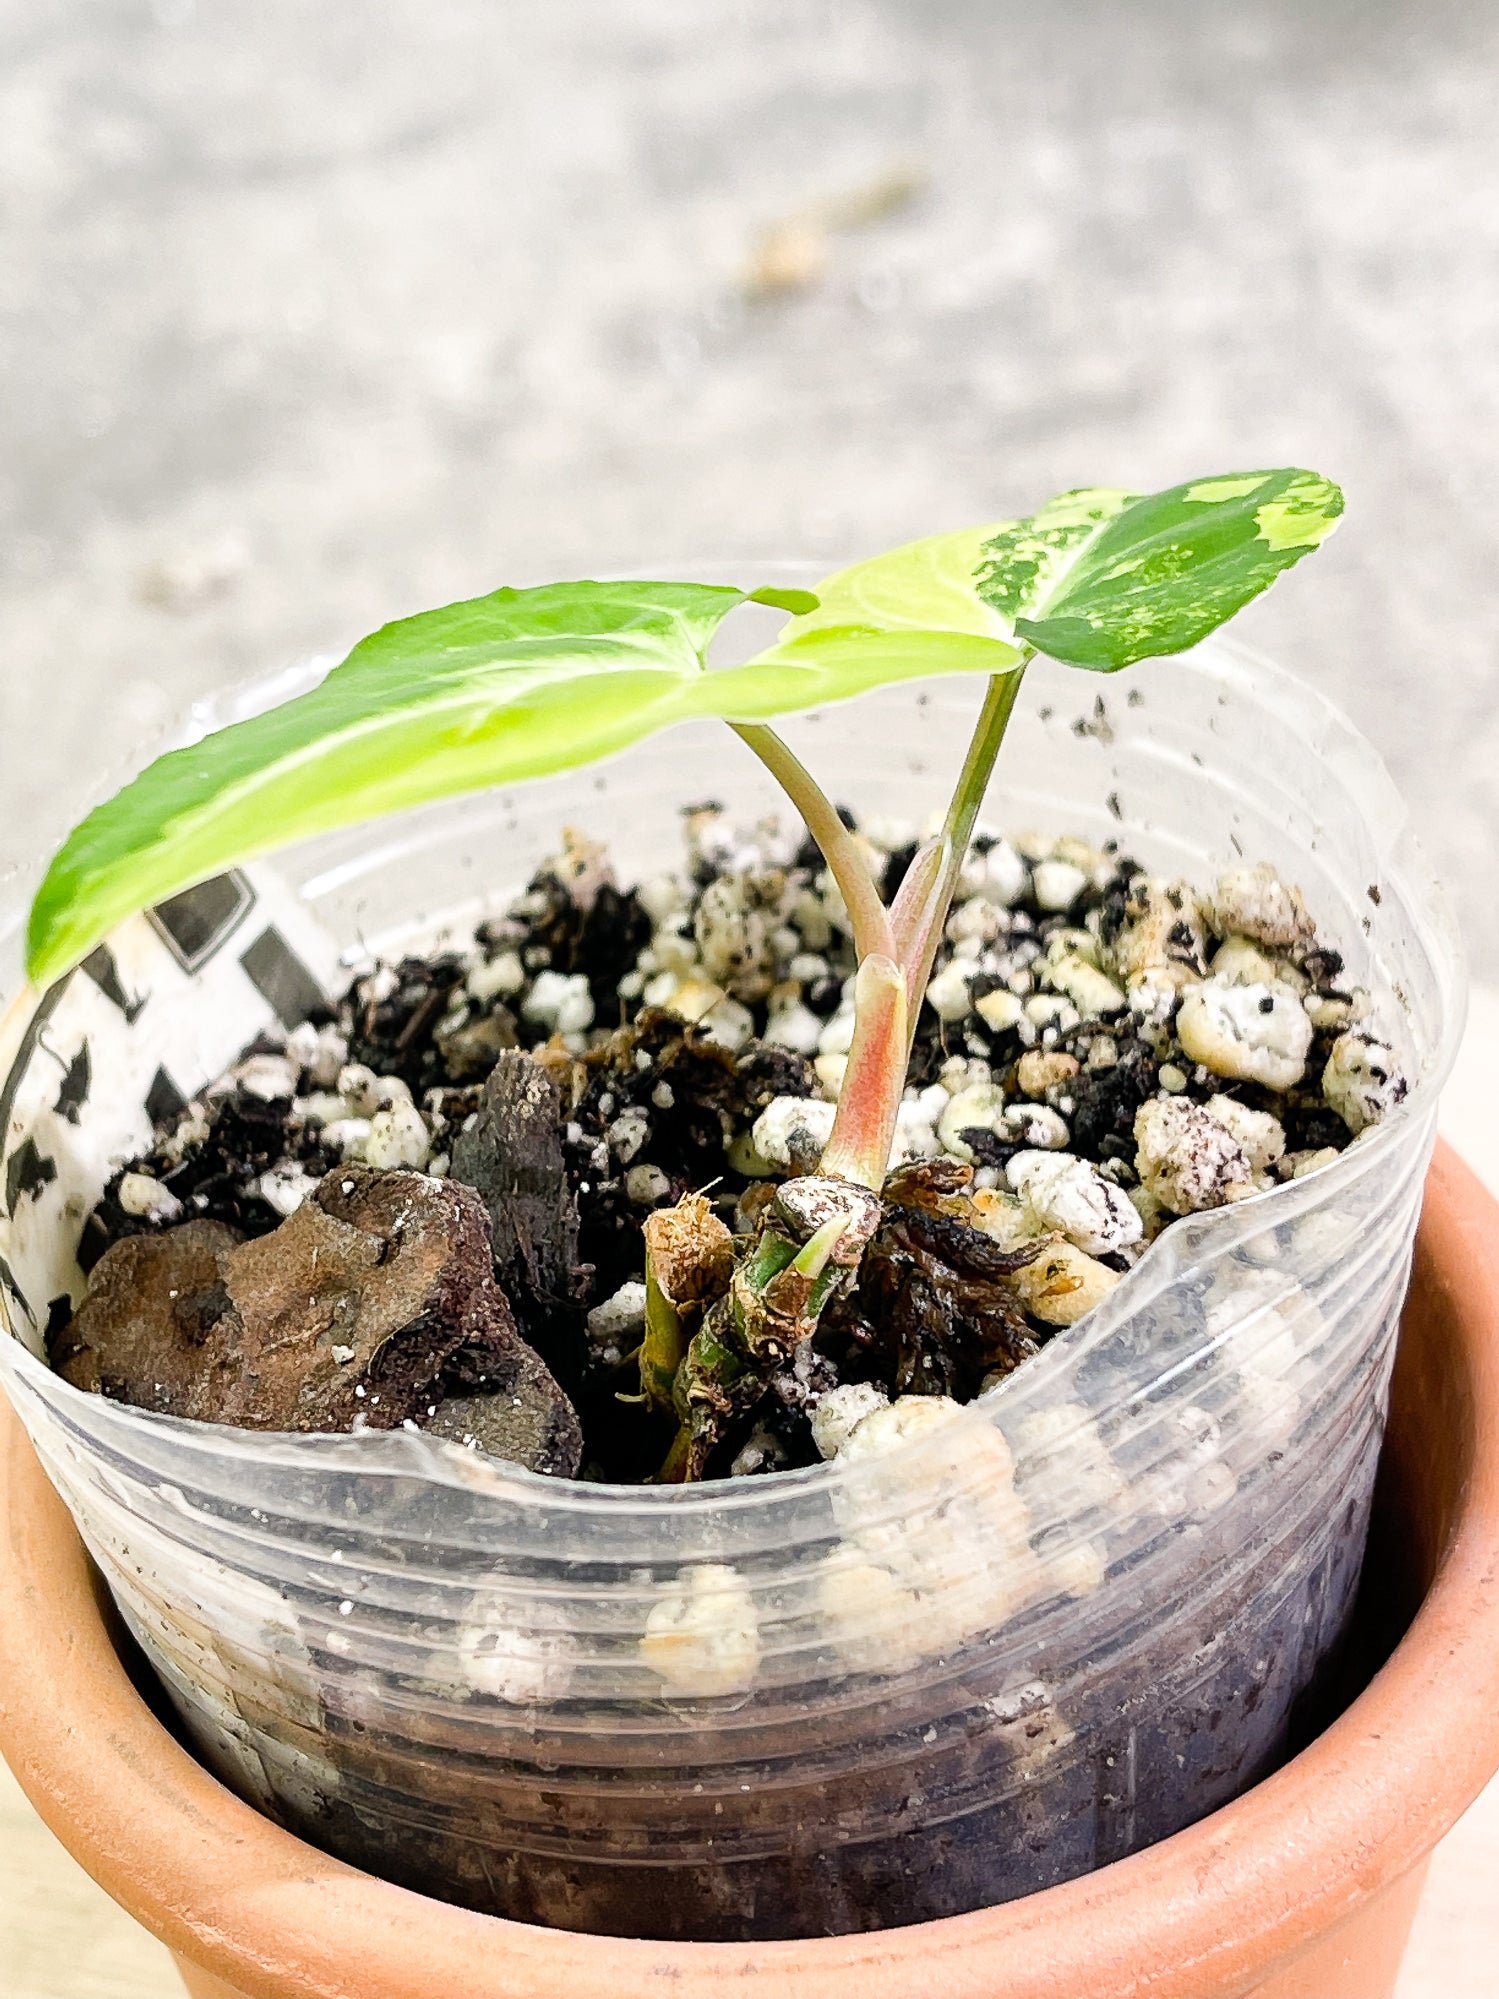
(526, 682)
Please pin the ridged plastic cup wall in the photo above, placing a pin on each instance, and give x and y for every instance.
(1069, 1623)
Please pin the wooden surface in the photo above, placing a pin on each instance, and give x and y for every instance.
(62, 1938)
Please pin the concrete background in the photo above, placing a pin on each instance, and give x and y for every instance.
(313, 315)
(310, 316)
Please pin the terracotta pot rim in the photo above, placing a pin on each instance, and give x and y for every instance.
(1287, 1862)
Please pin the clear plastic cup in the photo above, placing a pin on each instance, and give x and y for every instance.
(1066, 1624)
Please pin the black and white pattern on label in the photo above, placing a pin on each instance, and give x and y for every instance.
(196, 925)
(147, 1021)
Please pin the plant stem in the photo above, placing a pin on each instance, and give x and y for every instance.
(846, 863)
(869, 1101)
(957, 828)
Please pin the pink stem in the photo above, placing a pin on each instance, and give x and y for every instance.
(868, 1103)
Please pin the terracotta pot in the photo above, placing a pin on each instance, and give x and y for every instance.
(1302, 1889)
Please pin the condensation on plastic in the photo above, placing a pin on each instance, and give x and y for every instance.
(1060, 1627)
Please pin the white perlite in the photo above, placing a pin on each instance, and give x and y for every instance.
(1261, 1136)
(628, 1134)
(1089, 989)
(397, 1138)
(1255, 902)
(1187, 1159)
(841, 1410)
(794, 1026)
(1058, 884)
(645, 1185)
(559, 1001)
(620, 1320)
(500, 977)
(286, 1187)
(1064, 1193)
(1035, 1126)
(268, 1077)
(1362, 1080)
(999, 875)
(1254, 1033)
(703, 1636)
(948, 994)
(500, 1657)
(792, 1124)
(145, 1198)
(978, 1108)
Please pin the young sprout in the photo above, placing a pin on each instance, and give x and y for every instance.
(525, 682)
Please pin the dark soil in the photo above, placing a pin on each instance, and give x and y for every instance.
(558, 1070)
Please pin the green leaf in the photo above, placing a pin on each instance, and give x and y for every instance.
(496, 689)
(525, 682)
(1101, 578)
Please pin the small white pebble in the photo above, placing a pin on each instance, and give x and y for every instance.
(346, 1136)
(776, 1128)
(979, 1107)
(977, 919)
(728, 1024)
(660, 990)
(1187, 1159)
(145, 1198)
(694, 998)
(663, 897)
(359, 1087)
(268, 1077)
(1242, 962)
(891, 1424)
(1068, 1194)
(1058, 884)
(1093, 992)
(620, 1319)
(836, 1036)
(1254, 902)
(1036, 1126)
(807, 967)
(628, 1134)
(840, 1411)
(322, 1107)
(830, 1071)
(948, 994)
(286, 1187)
(398, 1138)
(1261, 1136)
(645, 1185)
(998, 874)
(1000, 1010)
(1362, 1079)
(761, 1451)
(702, 1637)
(559, 1001)
(795, 1027)
(500, 977)
(961, 1072)
(1062, 1284)
(301, 1045)
(332, 1054)
(1255, 1033)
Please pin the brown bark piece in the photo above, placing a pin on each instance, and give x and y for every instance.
(142, 1335)
(376, 1295)
(512, 1154)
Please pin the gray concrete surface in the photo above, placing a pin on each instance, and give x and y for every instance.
(312, 315)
